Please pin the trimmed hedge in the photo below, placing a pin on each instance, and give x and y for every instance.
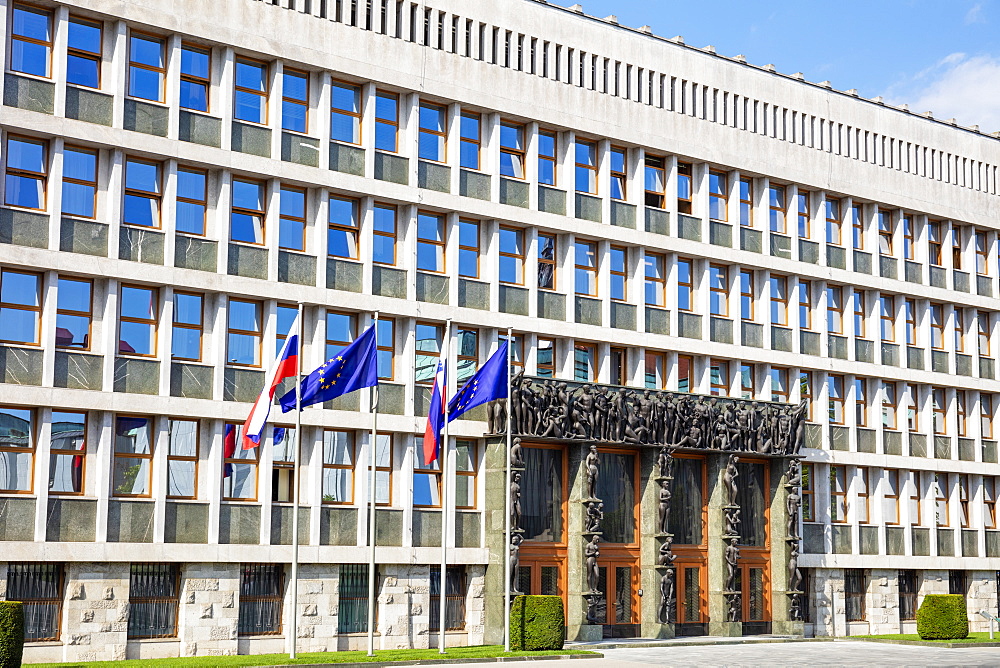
(11, 633)
(943, 617)
(537, 623)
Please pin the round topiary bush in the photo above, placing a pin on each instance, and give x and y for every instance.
(11, 633)
(537, 623)
(943, 617)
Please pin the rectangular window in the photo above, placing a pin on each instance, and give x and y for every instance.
(887, 318)
(512, 150)
(747, 302)
(861, 402)
(192, 200)
(585, 362)
(776, 203)
(386, 335)
(294, 101)
(511, 255)
(937, 326)
(805, 391)
(426, 481)
(430, 242)
(262, 593)
(465, 474)
(17, 449)
(685, 285)
(188, 327)
(384, 239)
(340, 332)
(889, 404)
(472, 141)
(656, 371)
(619, 174)
(433, 133)
(940, 410)
(958, 583)
(963, 500)
(27, 173)
(345, 112)
(719, 372)
(655, 182)
(913, 480)
(292, 218)
(20, 307)
(429, 340)
(907, 581)
(890, 498)
(808, 493)
(153, 597)
(383, 469)
(855, 587)
(74, 312)
(858, 226)
(338, 466)
(747, 375)
(959, 329)
(244, 333)
(39, 586)
(986, 414)
(68, 452)
(941, 510)
(746, 201)
(685, 371)
(468, 354)
(934, 241)
(248, 211)
(143, 191)
(912, 416)
(990, 502)
(454, 602)
(909, 237)
(547, 158)
(802, 202)
(182, 459)
(982, 254)
(545, 358)
(147, 67)
(251, 91)
(863, 480)
(619, 273)
(886, 229)
(684, 188)
(656, 279)
(718, 190)
(133, 465)
(468, 250)
(547, 261)
(718, 283)
(342, 233)
(858, 300)
(283, 463)
(779, 384)
(31, 41)
(956, 247)
(196, 82)
(983, 325)
(138, 313)
(833, 222)
(834, 309)
(779, 300)
(586, 167)
(585, 253)
(835, 387)
(83, 57)
(910, 313)
(838, 493)
(239, 470)
(352, 589)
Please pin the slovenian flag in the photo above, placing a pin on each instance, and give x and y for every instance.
(285, 366)
(435, 416)
(229, 448)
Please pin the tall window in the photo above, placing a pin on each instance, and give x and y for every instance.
(656, 371)
(292, 219)
(934, 241)
(67, 452)
(940, 410)
(808, 493)
(747, 302)
(585, 253)
(138, 314)
(908, 589)
(352, 589)
(20, 307)
(619, 174)
(133, 465)
(384, 239)
(887, 317)
(433, 132)
(855, 587)
(31, 41)
(146, 68)
(937, 326)
(429, 339)
(719, 373)
(182, 459)
(833, 222)
(283, 464)
(913, 485)
(890, 499)
(74, 311)
(192, 200)
(618, 358)
(342, 232)
(655, 182)
(834, 309)
(383, 469)
(340, 331)
(858, 226)
(959, 313)
(861, 402)
(835, 388)
(248, 211)
(262, 593)
(430, 242)
(17, 449)
(468, 354)
(747, 374)
(79, 188)
(909, 237)
(586, 167)
(963, 499)
(619, 273)
(838, 493)
(584, 362)
(656, 279)
(685, 373)
(941, 509)
(886, 228)
(386, 121)
(802, 207)
(718, 283)
(779, 384)
(547, 158)
(990, 502)
(386, 334)
(805, 391)
(982, 254)
(195, 77)
(746, 201)
(465, 474)
(83, 59)
(143, 191)
(294, 100)
(39, 586)
(986, 406)
(251, 91)
(471, 140)
(776, 202)
(245, 331)
(718, 191)
(983, 325)
(511, 255)
(27, 173)
(188, 327)
(956, 247)
(512, 150)
(779, 300)
(468, 249)
(685, 285)
(684, 187)
(858, 301)
(153, 597)
(912, 413)
(545, 358)
(889, 405)
(547, 261)
(910, 313)
(345, 112)
(426, 481)
(239, 471)
(338, 467)
(863, 479)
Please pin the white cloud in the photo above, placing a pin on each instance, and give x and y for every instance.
(958, 86)
(975, 14)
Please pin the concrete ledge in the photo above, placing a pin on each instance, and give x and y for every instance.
(919, 643)
(439, 662)
(692, 642)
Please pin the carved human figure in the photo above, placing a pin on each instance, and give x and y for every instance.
(664, 514)
(667, 601)
(667, 556)
(729, 479)
(792, 502)
(515, 501)
(595, 513)
(735, 603)
(591, 553)
(516, 454)
(602, 411)
(516, 407)
(496, 416)
(593, 470)
(515, 548)
(732, 517)
(794, 574)
(582, 413)
(732, 556)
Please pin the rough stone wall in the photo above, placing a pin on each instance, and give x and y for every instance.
(318, 598)
(827, 593)
(95, 612)
(209, 608)
(982, 595)
(882, 602)
(475, 605)
(402, 619)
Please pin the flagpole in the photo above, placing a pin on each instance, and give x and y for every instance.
(371, 505)
(507, 527)
(295, 487)
(443, 461)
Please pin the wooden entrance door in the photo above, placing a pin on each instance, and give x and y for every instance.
(619, 610)
(691, 609)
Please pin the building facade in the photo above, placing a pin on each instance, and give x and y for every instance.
(644, 214)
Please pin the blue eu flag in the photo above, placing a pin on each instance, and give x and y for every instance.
(489, 383)
(353, 368)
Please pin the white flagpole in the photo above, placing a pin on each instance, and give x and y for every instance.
(443, 463)
(295, 489)
(507, 526)
(371, 506)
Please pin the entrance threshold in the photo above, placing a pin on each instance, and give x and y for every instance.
(624, 643)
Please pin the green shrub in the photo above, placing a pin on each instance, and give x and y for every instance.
(11, 633)
(943, 617)
(537, 623)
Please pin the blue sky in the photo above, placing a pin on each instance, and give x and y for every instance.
(935, 55)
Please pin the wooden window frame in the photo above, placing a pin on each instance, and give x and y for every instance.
(184, 458)
(719, 388)
(685, 285)
(153, 322)
(240, 456)
(619, 178)
(161, 71)
(441, 136)
(806, 392)
(260, 214)
(285, 100)
(689, 359)
(433, 472)
(545, 370)
(720, 293)
(915, 500)
(891, 496)
(517, 257)
(857, 214)
(685, 177)
(258, 335)
(87, 313)
(299, 219)
(834, 222)
(964, 489)
(835, 309)
(42, 176)
(839, 506)
(49, 16)
(990, 501)
(718, 197)
(203, 202)
(961, 414)
(440, 245)
(654, 166)
(476, 141)
(890, 405)
(887, 318)
(473, 448)
(956, 247)
(858, 302)
(32, 439)
(983, 340)
(861, 401)
(912, 410)
(986, 412)
(836, 381)
(142, 575)
(779, 303)
(590, 168)
(152, 196)
(126, 456)
(910, 313)
(332, 344)
(909, 239)
(621, 274)
(591, 351)
(657, 284)
(863, 479)
(939, 410)
(266, 93)
(352, 449)
(808, 491)
(517, 154)
(195, 80)
(388, 348)
(982, 253)
(199, 327)
(465, 248)
(748, 304)
(545, 158)
(777, 208)
(781, 389)
(618, 357)
(79, 453)
(934, 243)
(748, 373)
(937, 319)
(960, 329)
(886, 230)
(282, 468)
(802, 214)
(655, 367)
(382, 468)
(92, 184)
(746, 202)
(550, 265)
(352, 230)
(357, 115)
(941, 497)
(394, 235)
(590, 249)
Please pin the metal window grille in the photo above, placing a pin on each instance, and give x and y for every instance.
(454, 600)
(262, 588)
(957, 583)
(854, 588)
(353, 592)
(907, 595)
(153, 595)
(39, 587)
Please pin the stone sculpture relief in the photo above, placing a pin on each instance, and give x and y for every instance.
(668, 602)
(793, 504)
(591, 553)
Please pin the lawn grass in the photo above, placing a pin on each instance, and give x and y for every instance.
(478, 652)
(981, 636)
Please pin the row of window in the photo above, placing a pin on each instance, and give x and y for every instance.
(154, 603)
(856, 581)
(135, 440)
